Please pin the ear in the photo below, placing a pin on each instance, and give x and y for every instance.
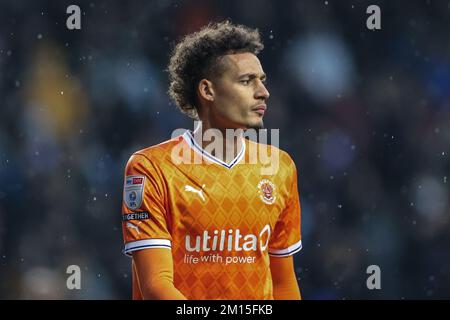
(205, 90)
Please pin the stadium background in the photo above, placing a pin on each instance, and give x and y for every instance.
(364, 114)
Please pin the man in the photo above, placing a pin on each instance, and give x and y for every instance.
(222, 227)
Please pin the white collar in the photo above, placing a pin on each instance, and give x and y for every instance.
(187, 136)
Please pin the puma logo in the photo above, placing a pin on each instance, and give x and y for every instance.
(199, 192)
(132, 226)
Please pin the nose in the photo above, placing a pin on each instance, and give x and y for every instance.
(262, 92)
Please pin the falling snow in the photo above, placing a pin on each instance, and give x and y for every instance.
(396, 142)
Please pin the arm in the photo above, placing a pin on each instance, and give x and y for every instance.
(285, 286)
(144, 226)
(154, 268)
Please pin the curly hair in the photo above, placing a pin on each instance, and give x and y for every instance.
(198, 56)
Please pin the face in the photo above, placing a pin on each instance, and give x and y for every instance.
(240, 95)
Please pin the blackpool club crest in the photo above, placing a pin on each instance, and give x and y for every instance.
(266, 191)
(133, 189)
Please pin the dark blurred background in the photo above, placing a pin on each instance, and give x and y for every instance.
(364, 114)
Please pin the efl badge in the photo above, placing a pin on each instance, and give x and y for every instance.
(133, 189)
(266, 191)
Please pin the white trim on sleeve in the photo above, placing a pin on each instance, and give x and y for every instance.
(288, 251)
(144, 244)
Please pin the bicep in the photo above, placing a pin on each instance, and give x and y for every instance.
(153, 262)
(154, 268)
(285, 286)
(281, 268)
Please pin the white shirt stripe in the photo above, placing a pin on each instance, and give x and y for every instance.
(144, 244)
(296, 247)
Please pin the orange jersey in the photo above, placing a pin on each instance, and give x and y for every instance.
(221, 221)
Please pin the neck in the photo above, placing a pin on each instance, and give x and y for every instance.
(223, 143)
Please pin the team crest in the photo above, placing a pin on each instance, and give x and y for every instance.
(133, 189)
(266, 191)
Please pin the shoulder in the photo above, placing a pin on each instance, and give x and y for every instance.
(284, 159)
(155, 154)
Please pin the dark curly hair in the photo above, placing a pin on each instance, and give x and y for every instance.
(198, 56)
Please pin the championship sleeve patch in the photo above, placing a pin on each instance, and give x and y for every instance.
(133, 190)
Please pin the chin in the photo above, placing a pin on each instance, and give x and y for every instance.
(256, 126)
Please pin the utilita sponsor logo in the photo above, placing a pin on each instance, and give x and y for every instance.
(231, 240)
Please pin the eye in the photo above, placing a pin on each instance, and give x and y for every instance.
(245, 82)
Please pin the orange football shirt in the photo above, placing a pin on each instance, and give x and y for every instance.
(221, 221)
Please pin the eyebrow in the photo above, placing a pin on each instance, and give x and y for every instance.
(253, 75)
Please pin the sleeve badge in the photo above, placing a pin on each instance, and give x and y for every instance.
(133, 190)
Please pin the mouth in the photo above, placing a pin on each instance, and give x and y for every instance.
(260, 109)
